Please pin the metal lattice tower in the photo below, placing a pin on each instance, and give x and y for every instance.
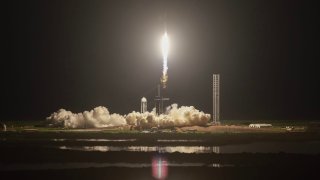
(216, 99)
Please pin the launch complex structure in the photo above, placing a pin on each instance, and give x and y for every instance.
(161, 89)
(159, 98)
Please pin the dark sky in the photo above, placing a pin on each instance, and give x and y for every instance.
(77, 55)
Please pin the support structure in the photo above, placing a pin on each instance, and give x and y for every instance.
(216, 99)
(159, 101)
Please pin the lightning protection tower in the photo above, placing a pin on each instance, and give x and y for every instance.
(216, 99)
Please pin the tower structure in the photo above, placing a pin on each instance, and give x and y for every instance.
(216, 99)
(144, 105)
(159, 100)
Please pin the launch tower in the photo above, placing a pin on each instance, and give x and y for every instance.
(159, 100)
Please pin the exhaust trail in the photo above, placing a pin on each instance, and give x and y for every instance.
(165, 52)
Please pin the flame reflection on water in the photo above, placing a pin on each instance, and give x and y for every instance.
(160, 149)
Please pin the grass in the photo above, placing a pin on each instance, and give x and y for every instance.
(278, 125)
(223, 122)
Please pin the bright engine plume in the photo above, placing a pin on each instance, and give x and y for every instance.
(165, 51)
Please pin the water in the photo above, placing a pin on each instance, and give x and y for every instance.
(178, 140)
(95, 140)
(312, 147)
(81, 165)
(159, 149)
(161, 158)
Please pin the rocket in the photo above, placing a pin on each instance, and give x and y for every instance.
(164, 80)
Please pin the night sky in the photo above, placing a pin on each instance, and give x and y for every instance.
(77, 55)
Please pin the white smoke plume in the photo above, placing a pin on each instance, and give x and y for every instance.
(100, 117)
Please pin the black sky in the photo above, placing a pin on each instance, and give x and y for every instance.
(77, 55)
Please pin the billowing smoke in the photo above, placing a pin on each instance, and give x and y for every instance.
(100, 117)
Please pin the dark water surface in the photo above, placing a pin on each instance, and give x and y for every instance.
(161, 158)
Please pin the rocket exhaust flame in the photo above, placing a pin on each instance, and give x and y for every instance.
(165, 51)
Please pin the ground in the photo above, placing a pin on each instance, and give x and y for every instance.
(226, 126)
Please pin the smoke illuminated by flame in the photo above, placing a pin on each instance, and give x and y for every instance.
(165, 52)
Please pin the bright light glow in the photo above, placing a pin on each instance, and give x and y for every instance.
(165, 51)
(159, 168)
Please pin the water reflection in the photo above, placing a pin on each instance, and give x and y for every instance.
(179, 140)
(159, 167)
(261, 147)
(107, 140)
(97, 140)
(159, 149)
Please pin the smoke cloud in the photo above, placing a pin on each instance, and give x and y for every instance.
(98, 117)
(101, 117)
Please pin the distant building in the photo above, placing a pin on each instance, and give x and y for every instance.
(259, 125)
(216, 99)
(143, 105)
(216, 149)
